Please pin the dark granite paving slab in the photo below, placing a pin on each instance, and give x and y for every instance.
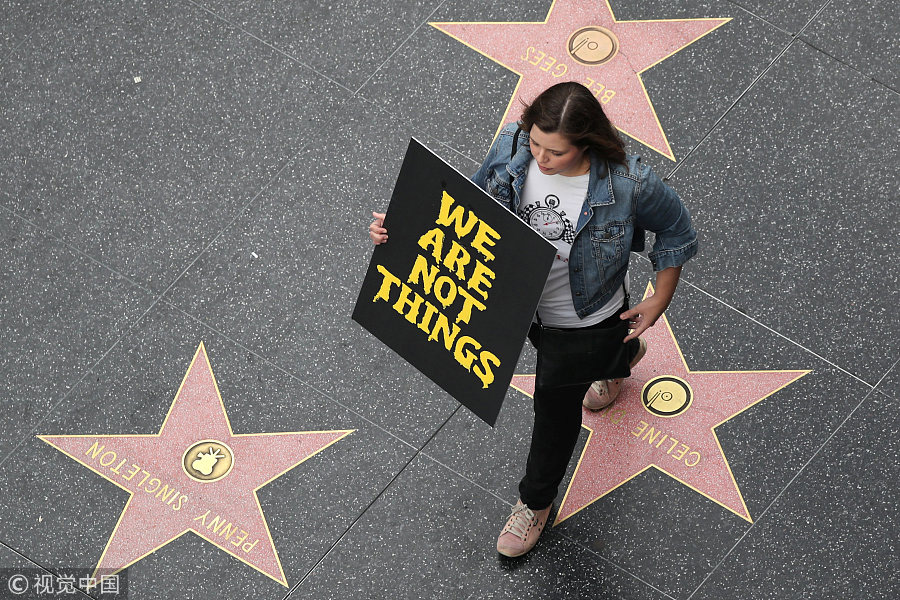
(693, 88)
(654, 525)
(864, 34)
(13, 560)
(795, 199)
(433, 535)
(58, 512)
(345, 40)
(790, 15)
(447, 89)
(59, 312)
(20, 17)
(137, 132)
(460, 96)
(285, 278)
(22, 578)
(16, 573)
(834, 532)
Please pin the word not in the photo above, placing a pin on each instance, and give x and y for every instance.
(557, 68)
(656, 437)
(161, 491)
(224, 529)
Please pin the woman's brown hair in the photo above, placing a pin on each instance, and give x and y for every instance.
(570, 109)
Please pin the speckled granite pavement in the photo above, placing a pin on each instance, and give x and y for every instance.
(185, 188)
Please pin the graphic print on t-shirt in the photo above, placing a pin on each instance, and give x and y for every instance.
(546, 220)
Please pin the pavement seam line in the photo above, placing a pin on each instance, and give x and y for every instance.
(778, 496)
(241, 212)
(397, 49)
(781, 335)
(33, 30)
(611, 563)
(550, 531)
(369, 506)
(289, 374)
(794, 38)
(238, 214)
(728, 111)
(838, 59)
(766, 327)
(760, 17)
(269, 45)
(412, 126)
(75, 385)
(37, 565)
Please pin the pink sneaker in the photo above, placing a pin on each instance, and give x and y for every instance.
(522, 530)
(603, 393)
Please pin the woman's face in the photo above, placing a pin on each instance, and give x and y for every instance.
(555, 155)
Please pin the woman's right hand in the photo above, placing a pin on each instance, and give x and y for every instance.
(376, 230)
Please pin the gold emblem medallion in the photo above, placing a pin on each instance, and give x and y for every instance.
(207, 460)
(666, 396)
(593, 45)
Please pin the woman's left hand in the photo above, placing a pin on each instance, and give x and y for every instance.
(644, 315)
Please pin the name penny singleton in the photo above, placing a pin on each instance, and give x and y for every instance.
(143, 479)
(218, 527)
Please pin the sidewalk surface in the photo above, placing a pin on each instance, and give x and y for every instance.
(185, 189)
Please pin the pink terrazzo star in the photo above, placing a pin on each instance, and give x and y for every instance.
(665, 417)
(194, 475)
(581, 40)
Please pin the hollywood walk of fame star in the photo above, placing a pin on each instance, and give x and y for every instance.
(665, 417)
(581, 40)
(194, 475)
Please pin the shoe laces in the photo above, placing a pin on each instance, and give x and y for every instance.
(520, 521)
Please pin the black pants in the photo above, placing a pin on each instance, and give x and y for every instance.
(557, 424)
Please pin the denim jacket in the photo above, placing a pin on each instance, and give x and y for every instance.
(622, 202)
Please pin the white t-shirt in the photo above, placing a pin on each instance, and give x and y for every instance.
(551, 205)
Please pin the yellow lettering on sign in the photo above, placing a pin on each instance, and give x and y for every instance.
(385, 290)
(469, 301)
(463, 223)
(483, 369)
(455, 217)
(423, 274)
(481, 278)
(457, 258)
(404, 300)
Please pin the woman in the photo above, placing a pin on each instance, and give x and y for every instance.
(564, 171)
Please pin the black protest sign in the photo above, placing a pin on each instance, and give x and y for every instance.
(454, 289)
